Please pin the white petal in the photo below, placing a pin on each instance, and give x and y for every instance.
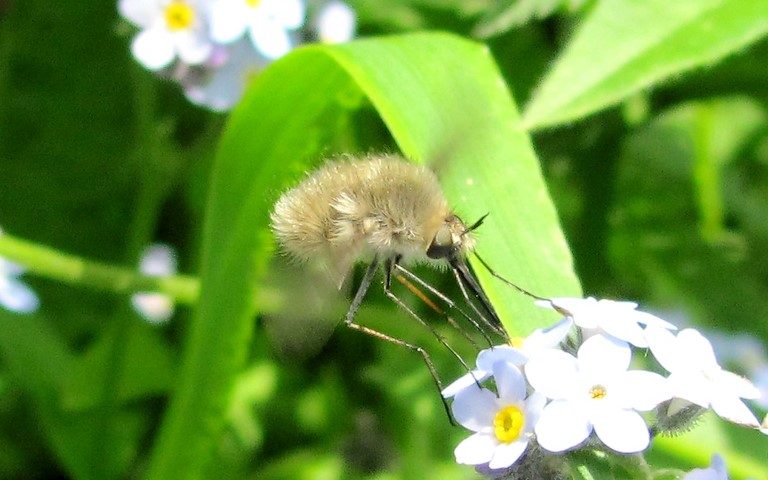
(737, 385)
(510, 383)
(622, 430)
(642, 390)
(228, 20)
(534, 405)
(581, 309)
(475, 408)
(336, 23)
(475, 450)
(158, 260)
(153, 48)
(287, 13)
(155, 307)
(734, 410)
(142, 13)
(663, 346)
(625, 329)
(17, 297)
(552, 372)
(562, 425)
(271, 40)
(194, 46)
(689, 386)
(697, 349)
(602, 355)
(472, 378)
(499, 353)
(506, 454)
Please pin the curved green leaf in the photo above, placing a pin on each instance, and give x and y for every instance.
(624, 46)
(442, 98)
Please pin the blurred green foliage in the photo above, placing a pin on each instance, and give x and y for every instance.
(649, 123)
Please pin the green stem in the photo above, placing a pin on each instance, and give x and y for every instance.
(53, 264)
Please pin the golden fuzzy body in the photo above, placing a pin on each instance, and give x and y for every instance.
(380, 206)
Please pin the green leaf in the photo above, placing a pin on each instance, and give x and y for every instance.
(625, 46)
(442, 98)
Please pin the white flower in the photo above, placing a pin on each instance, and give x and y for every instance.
(503, 424)
(14, 294)
(267, 22)
(594, 391)
(335, 23)
(158, 260)
(618, 319)
(221, 85)
(696, 376)
(716, 472)
(540, 339)
(170, 28)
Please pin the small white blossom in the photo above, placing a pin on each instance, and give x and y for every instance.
(540, 339)
(503, 424)
(268, 23)
(170, 29)
(14, 294)
(716, 471)
(618, 319)
(158, 260)
(696, 376)
(335, 23)
(594, 392)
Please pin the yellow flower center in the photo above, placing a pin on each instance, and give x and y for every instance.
(598, 392)
(517, 342)
(253, 3)
(179, 15)
(508, 424)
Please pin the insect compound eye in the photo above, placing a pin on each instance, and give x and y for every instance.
(442, 245)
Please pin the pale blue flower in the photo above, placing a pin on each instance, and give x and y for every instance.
(170, 29)
(503, 422)
(15, 295)
(695, 375)
(594, 392)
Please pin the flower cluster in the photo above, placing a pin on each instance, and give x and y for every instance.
(212, 48)
(571, 385)
(157, 260)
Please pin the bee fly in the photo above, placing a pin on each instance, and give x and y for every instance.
(390, 212)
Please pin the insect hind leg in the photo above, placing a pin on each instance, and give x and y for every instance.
(349, 321)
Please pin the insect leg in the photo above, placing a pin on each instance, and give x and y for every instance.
(365, 283)
(349, 322)
(451, 304)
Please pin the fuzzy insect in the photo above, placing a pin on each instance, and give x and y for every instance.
(389, 212)
(382, 209)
